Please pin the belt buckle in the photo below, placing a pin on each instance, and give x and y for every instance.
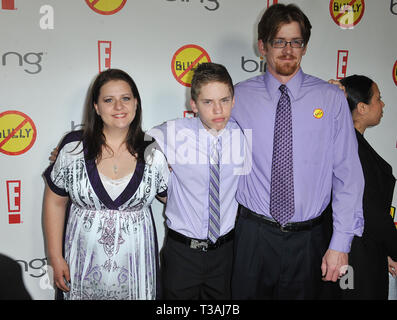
(201, 245)
(283, 228)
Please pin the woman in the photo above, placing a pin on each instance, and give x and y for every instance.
(110, 179)
(369, 253)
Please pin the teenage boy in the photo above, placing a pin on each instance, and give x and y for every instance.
(206, 155)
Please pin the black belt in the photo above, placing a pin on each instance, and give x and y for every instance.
(290, 226)
(202, 245)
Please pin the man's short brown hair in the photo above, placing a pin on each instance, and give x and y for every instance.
(279, 14)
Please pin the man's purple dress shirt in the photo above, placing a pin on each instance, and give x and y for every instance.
(325, 157)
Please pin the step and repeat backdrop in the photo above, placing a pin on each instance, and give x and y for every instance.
(51, 50)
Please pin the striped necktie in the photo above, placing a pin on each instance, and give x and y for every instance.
(214, 203)
(282, 205)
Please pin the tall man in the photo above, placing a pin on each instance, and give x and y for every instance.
(303, 150)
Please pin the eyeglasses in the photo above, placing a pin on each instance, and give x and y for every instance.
(280, 43)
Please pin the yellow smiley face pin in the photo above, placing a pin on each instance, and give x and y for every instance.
(318, 113)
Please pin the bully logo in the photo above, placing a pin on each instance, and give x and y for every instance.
(17, 133)
(104, 55)
(347, 13)
(395, 73)
(318, 113)
(106, 7)
(14, 201)
(341, 67)
(8, 4)
(185, 60)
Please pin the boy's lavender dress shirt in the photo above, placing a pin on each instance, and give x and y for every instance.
(324, 151)
(186, 145)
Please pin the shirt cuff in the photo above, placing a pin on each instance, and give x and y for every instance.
(341, 241)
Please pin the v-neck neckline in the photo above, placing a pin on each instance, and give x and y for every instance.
(99, 189)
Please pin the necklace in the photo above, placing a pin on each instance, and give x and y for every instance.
(113, 158)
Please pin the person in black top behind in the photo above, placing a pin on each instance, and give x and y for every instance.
(375, 253)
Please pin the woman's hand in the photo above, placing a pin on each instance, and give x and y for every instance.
(392, 267)
(54, 221)
(337, 83)
(61, 273)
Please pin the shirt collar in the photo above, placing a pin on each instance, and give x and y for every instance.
(293, 85)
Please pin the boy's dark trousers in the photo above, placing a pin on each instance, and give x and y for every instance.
(193, 273)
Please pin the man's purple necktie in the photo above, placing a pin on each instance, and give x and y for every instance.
(282, 205)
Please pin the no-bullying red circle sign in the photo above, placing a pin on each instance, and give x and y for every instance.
(106, 7)
(185, 60)
(17, 133)
(347, 14)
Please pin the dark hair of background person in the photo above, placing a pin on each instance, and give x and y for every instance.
(358, 89)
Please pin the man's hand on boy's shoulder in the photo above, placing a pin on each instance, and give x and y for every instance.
(53, 155)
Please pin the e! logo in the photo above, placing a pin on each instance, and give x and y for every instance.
(8, 4)
(104, 55)
(342, 64)
(14, 201)
(188, 114)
